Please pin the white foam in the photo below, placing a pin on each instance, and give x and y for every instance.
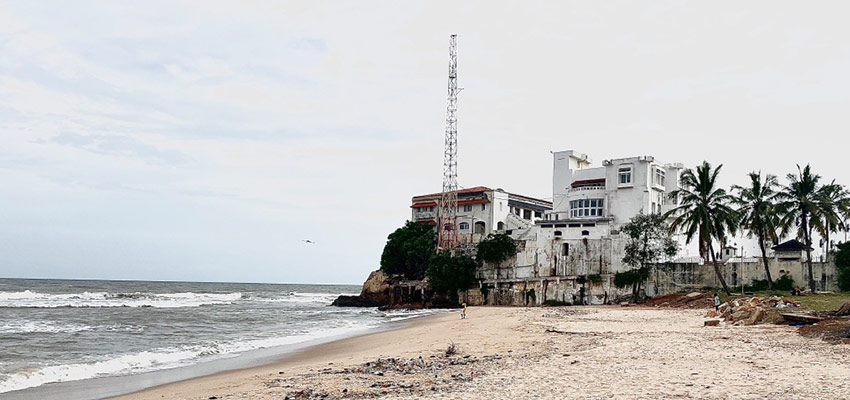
(19, 327)
(323, 298)
(130, 363)
(159, 359)
(29, 299)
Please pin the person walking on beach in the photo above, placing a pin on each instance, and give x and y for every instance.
(716, 302)
(463, 311)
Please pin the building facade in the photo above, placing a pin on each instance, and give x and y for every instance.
(482, 211)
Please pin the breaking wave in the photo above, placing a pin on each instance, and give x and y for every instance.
(155, 360)
(29, 299)
(297, 297)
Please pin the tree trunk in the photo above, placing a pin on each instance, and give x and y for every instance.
(717, 269)
(766, 264)
(808, 239)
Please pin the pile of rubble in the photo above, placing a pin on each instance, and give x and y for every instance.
(682, 300)
(751, 310)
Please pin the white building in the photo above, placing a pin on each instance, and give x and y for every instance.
(482, 211)
(613, 193)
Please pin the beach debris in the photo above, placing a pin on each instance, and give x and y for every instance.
(683, 300)
(844, 309)
(751, 310)
(712, 322)
(451, 349)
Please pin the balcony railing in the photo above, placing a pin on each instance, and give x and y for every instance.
(586, 188)
(424, 215)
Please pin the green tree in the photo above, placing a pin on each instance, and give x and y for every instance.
(842, 263)
(449, 273)
(807, 206)
(408, 250)
(496, 249)
(649, 243)
(703, 212)
(759, 215)
(838, 199)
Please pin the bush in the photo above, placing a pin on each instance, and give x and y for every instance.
(448, 273)
(785, 282)
(842, 263)
(495, 249)
(594, 279)
(408, 250)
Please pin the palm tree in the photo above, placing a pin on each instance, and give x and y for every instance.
(838, 200)
(807, 206)
(703, 212)
(757, 211)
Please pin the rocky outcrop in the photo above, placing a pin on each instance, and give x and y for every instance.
(394, 292)
(375, 292)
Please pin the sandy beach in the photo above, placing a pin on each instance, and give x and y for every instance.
(576, 352)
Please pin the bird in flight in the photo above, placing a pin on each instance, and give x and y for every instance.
(308, 241)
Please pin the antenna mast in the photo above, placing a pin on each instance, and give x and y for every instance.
(447, 226)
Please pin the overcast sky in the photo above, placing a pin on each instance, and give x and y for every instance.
(203, 141)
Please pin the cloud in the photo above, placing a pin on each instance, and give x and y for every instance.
(120, 146)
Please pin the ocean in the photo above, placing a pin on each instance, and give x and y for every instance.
(68, 330)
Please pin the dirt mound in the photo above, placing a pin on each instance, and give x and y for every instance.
(833, 330)
(683, 300)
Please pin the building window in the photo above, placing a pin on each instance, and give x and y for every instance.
(483, 207)
(537, 214)
(467, 207)
(464, 226)
(526, 214)
(566, 249)
(625, 174)
(659, 177)
(586, 208)
(480, 227)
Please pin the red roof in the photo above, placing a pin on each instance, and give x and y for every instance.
(588, 181)
(468, 190)
(473, 201)
(425, 204)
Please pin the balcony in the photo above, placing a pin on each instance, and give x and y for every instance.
(586, 189)
(424, 215)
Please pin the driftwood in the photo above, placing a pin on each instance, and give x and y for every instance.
(844, 310)
(796, 317)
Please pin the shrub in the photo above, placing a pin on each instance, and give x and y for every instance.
(448, 273)
(785, 282)
(495, 249)
(842, 263)
(594, 279)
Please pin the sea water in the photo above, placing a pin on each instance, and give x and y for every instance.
(66, 330)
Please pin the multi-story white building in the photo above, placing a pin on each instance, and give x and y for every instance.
(606, 197)
(482, 211)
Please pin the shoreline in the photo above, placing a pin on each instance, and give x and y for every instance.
(598, 352)
(595, 352)
(119, 386)
(307, 353)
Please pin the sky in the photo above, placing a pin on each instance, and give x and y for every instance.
(204, 141)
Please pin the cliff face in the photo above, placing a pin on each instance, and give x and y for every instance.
(375, 292)
(391, 292)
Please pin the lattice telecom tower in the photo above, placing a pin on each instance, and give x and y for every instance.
(447, 217)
